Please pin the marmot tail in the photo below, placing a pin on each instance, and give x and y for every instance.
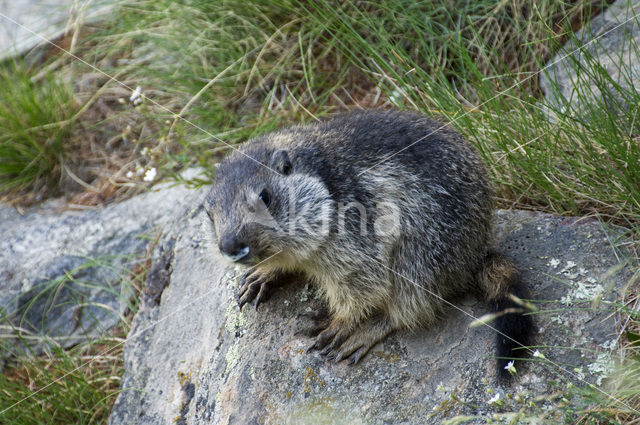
(500, 282)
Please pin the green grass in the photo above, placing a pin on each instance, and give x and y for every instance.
(35, 121)
(577, 163)
(593, 407)
(43, 380)
(74, 386)
(235, 69)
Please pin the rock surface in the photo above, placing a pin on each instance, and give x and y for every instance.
(612, 40)
(24, 23)
(63, 274)
(194, 358)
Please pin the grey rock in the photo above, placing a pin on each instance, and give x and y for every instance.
(25, 24)
(612, 41)
(63, 275)
(194, 358)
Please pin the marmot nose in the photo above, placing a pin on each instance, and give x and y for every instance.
(233, 248)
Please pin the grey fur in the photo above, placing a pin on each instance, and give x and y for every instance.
(383, 273)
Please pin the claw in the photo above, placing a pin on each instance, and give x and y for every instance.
(326, 350)
(261, 294)
(253, 285)
(331, 338)
(313, 347)
(352, 343)
(246, 296)
(325, 338)
(358, 355)
(335, 344)
(345, 353)
(340, 356)
(245, 283)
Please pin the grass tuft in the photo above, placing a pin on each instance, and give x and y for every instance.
(72, 386)
(35, 122)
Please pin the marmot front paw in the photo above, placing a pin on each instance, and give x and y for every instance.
(254, 284)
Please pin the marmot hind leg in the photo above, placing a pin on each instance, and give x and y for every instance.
(340, 340)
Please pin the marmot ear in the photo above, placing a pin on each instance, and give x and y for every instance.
(281, 162)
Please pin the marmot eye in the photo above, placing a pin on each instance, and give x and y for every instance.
(265, 197)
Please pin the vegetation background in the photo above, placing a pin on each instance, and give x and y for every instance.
(212, 74)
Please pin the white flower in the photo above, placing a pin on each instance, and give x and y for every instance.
(129, 174)
(494, 399)
(511, 368)
(538, 354)
(136, 96)
(554, 262)
(150, 175)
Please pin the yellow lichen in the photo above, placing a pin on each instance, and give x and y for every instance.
(184, 378)
(310, 377)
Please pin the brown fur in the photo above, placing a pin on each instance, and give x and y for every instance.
(293, 201)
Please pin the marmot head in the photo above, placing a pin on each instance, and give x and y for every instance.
(265, 208)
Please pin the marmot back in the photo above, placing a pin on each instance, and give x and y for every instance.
(388, 213)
